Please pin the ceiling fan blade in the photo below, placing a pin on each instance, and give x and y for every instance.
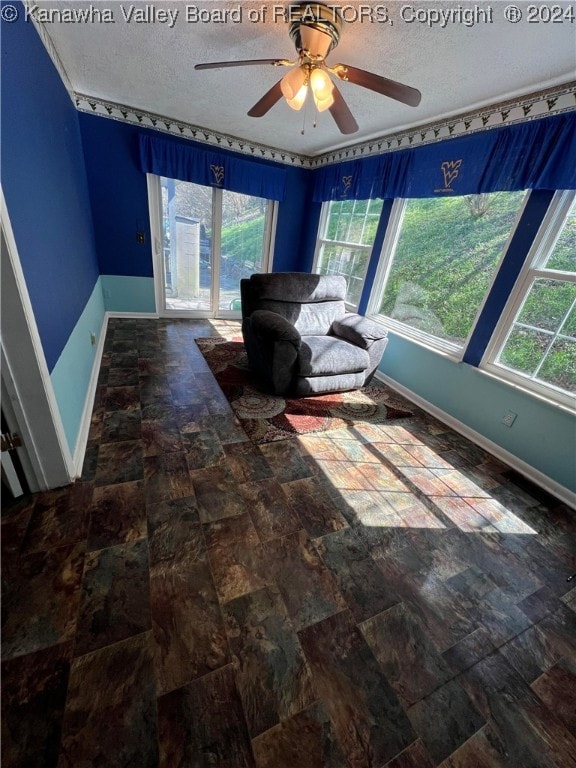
(245, 63)
(267, 101)
(340, 111)
(383, 85)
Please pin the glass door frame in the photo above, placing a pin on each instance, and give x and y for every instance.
(155, 212)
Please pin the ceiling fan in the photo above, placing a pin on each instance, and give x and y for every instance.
(315, 30)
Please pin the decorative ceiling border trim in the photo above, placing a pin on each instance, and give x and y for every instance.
(125, 114)
(552, 101)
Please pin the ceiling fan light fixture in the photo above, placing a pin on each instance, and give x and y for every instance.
(294, 87)
(323, 104)
(321, 84)
(293, 81)
(298, 101)
(322, 89)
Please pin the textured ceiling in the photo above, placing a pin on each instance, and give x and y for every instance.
(149, 65)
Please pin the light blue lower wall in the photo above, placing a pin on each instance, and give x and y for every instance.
(542, 435)
(128, 294)
(72, 373)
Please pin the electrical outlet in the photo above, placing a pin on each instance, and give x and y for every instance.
(140, 238)
(93, 339)
(509, 419)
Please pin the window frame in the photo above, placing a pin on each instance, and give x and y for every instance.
(449, 349)
(532, 270)
(322, 240)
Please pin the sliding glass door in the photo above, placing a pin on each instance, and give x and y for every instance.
(205, 240)
(244, 243)
(186, 246)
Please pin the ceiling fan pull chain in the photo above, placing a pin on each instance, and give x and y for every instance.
(304, 111)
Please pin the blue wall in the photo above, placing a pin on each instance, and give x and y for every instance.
(44, 183)
(297, 225)
(119, 198)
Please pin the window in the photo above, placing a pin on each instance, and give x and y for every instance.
(438, 262)
(535, 341)
(348, 229)
(206, 240)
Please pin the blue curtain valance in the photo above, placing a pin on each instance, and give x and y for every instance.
(212, 169)
(535, 155)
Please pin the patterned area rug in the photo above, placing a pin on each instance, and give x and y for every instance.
(267, 417)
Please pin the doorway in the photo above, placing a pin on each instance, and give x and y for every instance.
(206, 239)
(28, 402)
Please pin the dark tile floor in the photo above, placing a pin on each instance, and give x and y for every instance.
(379, 596)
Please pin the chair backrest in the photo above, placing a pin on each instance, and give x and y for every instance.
(310, 302)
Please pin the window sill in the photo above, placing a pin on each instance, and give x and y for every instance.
(431, 343)
(563, 402)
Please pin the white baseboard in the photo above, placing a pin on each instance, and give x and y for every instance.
(134, 315)
(83, 432)
(534, 475)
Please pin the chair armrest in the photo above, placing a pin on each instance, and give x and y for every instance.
(272, 345)
(273, 327)
(358, 330)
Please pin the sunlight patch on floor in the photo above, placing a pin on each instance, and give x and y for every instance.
(378, 478)
(376, 469)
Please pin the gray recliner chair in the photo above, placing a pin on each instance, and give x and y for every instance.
(299, 338)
